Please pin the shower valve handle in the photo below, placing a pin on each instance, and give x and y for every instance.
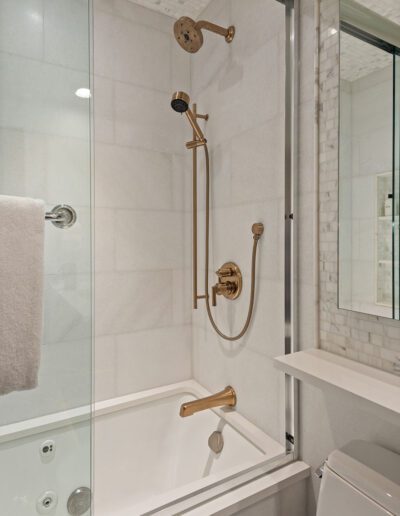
(224, 272)
(226, 289)
(214, 294)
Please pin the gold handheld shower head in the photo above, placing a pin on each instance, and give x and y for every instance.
(190, 37)
(180, 103)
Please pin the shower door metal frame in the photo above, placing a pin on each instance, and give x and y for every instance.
(291, 173)
(248, 475)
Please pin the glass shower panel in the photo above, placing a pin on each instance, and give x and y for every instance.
(155, 347)
(396, 186)
(45, 153)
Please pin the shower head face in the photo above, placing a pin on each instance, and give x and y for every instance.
(180, 101)
(188, 34)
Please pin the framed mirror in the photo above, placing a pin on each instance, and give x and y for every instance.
(369, 157)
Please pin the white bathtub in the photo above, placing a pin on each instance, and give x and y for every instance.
(147, 456)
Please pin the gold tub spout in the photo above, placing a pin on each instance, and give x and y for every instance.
(225, 398)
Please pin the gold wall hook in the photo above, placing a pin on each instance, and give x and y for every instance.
(225, 398)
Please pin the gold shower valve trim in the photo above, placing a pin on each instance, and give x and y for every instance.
(229, 282)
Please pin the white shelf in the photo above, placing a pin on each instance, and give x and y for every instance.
(328, 371)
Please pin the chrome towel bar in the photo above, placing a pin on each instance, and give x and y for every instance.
(62, 216)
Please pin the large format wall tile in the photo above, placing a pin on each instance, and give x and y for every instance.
(142, 239)
(149, 240)
(133, 179)
(61, 19)
(45, 154)
(132, 301)
(41, 97)
(21, 27)
(142, 358)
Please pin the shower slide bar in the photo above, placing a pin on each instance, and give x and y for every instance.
(62, 216)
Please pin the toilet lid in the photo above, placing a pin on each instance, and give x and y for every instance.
(373, 470)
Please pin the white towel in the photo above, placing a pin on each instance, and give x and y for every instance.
(21, 291)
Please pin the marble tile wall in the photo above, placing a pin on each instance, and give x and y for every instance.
(45, 153)
(146, 333)
(241, 86)
(369, 339)
(142, 196)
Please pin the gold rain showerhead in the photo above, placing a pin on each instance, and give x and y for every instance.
(190, 37)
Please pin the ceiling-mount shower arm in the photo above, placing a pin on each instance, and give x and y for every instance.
(228, 33)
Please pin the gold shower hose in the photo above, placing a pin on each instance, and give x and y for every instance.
(256, 237)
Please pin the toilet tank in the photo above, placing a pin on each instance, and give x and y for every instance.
(360, 479)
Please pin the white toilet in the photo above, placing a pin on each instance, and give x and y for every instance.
(360, 479)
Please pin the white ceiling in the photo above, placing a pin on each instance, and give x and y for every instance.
(359, 59)
(175, 8)
(388, 8)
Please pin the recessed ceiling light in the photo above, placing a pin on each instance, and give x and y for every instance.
(83, 93)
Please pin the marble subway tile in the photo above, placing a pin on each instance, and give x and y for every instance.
(363, 327)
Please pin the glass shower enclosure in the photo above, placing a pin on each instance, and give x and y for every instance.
(86, 83)
(45, 153)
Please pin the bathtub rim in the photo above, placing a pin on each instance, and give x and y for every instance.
(248, 430)
(207, 488)
(93, 411)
